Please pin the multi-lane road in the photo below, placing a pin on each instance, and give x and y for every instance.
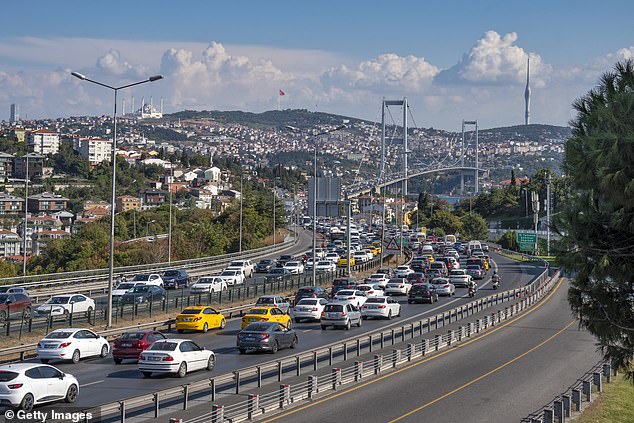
(102, 381)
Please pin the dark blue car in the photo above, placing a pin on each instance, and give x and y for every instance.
(175, 278)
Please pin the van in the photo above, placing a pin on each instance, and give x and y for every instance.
(473, 245)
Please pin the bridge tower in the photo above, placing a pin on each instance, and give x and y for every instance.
(473, 123)
(385, 104)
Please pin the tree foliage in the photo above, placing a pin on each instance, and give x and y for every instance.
(597, 225)
(473, 227)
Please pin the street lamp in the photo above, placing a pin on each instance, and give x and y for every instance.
(147, 227)
(295, 129)
(114, 174)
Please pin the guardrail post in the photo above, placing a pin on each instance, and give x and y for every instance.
(157, 405)
(576, 399)
(378, 363)
(396, 357)
(122, 411)
(358, 370)
(185, 396)
(312, 385)
(392, 333)
(284, 395)
(460, 333)
(279, 370)
(493, 315)
(382, 340)
(558, 410)
(424, 346)
(596, 379)
(410, 351)
(549, 415)
(253, 404)
(370, 343)
(336, 378)
(358, 347)
(449, 337)
(478, 325)
(345, 351)
(330, 356)
(315, 360)
(607, 372)
(565, 399)
(437, 341)
(298, 365)
(587, 390)
(217, 414)
(499, 316)
(236, 375)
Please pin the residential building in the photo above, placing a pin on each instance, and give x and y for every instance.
(43, 141)
(46, 202)
(10, 244)
(40, 239)
(10, 204)
(36, 166)
(6, 166)
(151, 198)
(96, 150)
(37, 224)
(126, 203)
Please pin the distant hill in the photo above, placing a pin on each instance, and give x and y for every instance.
(527, 132)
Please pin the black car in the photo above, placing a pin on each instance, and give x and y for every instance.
(343, 283)
(277, 274)
(264, 266)
(281, 261)
(265, 336)
(418, 265)
(142, 294)
(416, 277)
(175, 278)
(310, 292)
(422, 293)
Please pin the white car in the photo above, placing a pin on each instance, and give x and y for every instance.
(178, 356)
(232, 277)
(360, 257)
(402, 271)
(444, 287)
(324, 266)
(295, 267)
(149, 279)
(309, 309)
(398, 286)
(309, 264)
(459, 277)
(385, 307)
(333, 257)
(371, 290)
(208, 284)
(71, 344)
(122, 288)
(246, 266)
(369, 254)
(24, 385)
(353, 296)
(378, 278)
(66, 304)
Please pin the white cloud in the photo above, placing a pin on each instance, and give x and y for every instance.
(112, 63)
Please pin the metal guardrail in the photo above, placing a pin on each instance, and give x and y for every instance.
(572, 400)
(232, 382)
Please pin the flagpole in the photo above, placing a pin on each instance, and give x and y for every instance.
(279, 101)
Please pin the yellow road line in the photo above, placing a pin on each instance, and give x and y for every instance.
(418, 363)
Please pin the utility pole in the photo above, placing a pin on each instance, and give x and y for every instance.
(548, 216)
(241, 197)
(26, 213)
(535, 202)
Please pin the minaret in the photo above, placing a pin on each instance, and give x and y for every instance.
(527, 94)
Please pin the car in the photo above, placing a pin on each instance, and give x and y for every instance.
(266, 336)
(444, 287)
(176, 278)
(232, 277)
(485, 247)
(309, 264)
(340, 315)
(310, 292)
(402, 271)
(475, 271)
(354, 296)
(245, 266)
(371, 290)
(8, 289)
(281, 261)
(149, 279)
(439, 265)
(452, 253)
(122, 288)
(143, 294)
(416, 277)
(131, 344)
(422, 292)
(208, 285)
(294, 267)
(200, 318)
(325, 266)
(71, 344)
(380, 279)
(418, 265)
(360, 257)
(343, 261)
(177, 356)
(264, 266)
(14, 304)
(397, 286)
(343, 283)
(385, 307)
(385, 271)
(459, 278)
(266, 314)
(274, 301)
(25, 385)
(309, 309)
(65, 304)
(277, 274)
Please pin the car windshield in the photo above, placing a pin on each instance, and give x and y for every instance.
(421, 287)
(58, 300)
(323, 263)
(205, 280)
(266, 262)
(163, 346)
(172, 273)
(307, 302)
(228, 273)
(306, 290)
(265, 301)
(3, 298)
(333, 308)
(139, 289)
(345, 292)
(375, 300)
(439, 281)
(257, 327)
(457, 273)
(473, 267)
(132, 336)
(192, 311)
(292, 264)
(125, 286)
(258, 311)
(236, 263)
(277, 270)
(141, 277)
(377, 276)
(58, 335)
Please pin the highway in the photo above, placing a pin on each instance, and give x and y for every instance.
(500, 376)
(102, 381)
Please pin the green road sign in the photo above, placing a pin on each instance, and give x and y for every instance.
(526, 240)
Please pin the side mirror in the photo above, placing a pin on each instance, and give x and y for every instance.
(62, 376)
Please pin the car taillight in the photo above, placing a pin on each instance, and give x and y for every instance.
(364, 306)
(401, 286)
(351, 298)
(370, 292)
(265, 319)
(426, 292)
(15, 385)
(323, 314)
(446, 286)
(314, 308)
(39, 345)
(197, 319)
(313, 295)
(382, 306)
(64, 344)
(343, 314)
(264, 335)
(142, 357)
(168, 358)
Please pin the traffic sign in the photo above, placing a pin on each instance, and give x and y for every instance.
(391, 246)
(526, 240)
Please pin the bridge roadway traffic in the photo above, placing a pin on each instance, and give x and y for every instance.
(102, 381)
(500, 376)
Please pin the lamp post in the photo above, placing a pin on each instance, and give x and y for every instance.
(26, 213)
(147, 227)
(241, 197)
(274, 181)
(169, 231)
(548, 181)
(114, 174)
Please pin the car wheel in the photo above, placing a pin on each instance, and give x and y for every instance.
(27, 313)
(179, 330)
(294, 343)
(3, 316)
(66, 313)
(117, 360)
(205, 328)
(147, 374)
(71, 394)
(182, 370)
(297, 320)
(104, 351)
(359, 324)
(348, 325)
(364, 317)
(399, 312)
(323, 327)
(223, 323)
(44, 360)
(27, 403)
(274, 348)
(389, 315)
(89, 312)
(76, 356)
(242, 350)
(211, 362)
(409, 302)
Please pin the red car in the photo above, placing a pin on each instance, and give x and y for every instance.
(14, 304)
(131, 344)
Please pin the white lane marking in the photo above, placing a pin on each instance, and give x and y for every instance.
(92, 383)
(307, 330)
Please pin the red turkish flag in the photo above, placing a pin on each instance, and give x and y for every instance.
(282, 93)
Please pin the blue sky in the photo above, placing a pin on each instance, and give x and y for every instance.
(452, 59)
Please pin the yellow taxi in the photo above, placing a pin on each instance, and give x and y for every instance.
(430, 257)
(376, 250)
(343, 262)
(266, 314)
(200, 318)
(376, 244)
(487, 263)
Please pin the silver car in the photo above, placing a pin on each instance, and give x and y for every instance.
(340, 315)
(444, 287)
